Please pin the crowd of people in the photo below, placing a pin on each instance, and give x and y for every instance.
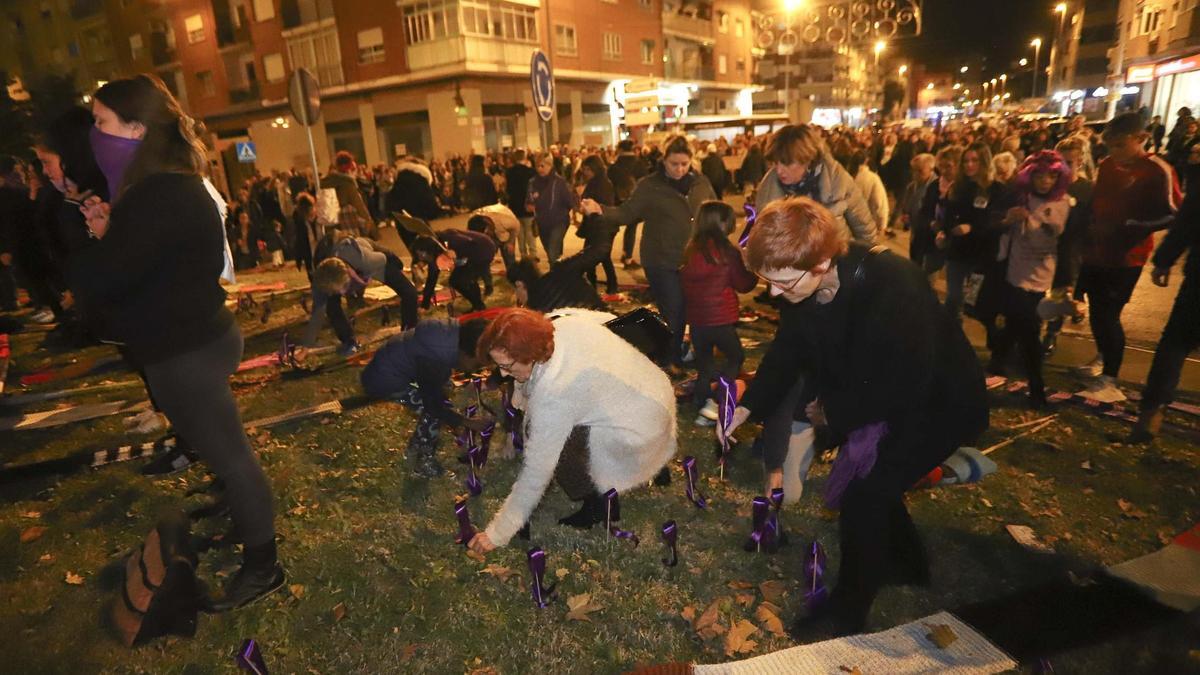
(1027, 222)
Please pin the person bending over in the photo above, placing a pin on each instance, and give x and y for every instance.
(352, 263)
(599, 414)
(413, 369)
(470, 255)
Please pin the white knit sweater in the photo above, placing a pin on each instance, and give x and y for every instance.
(598, 380)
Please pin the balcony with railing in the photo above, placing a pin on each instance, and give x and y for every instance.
(688, 18)
(296, 13)
(480, 31)
(231, 30)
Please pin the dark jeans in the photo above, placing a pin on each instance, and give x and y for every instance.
(725, 339)
(552, 240)
(376, 384)
(1022, 328)
(193, 391)
(777, 427)
(465, 279)
(1180, 336)
(572, 473)
(393, 278)
(1108, 290)
(957, 273)
(667, 291)
(610, 272)
(8, 288)
(628, 240)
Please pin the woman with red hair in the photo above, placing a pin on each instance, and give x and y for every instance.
(887, 371)
(599, 414)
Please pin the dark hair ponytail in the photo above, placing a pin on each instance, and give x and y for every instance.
(714, 223)
(170, 144)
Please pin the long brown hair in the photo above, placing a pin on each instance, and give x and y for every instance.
(714, 223)
(170, 144)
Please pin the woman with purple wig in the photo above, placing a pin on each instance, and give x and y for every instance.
(1031, 246)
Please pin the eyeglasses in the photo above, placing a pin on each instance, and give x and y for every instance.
(781, 286)
(506, 367)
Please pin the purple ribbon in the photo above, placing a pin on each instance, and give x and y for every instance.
(537, 568)
(249, 657)
(471, 410)
(670, 535)
(689, 469)
(776, 499)
(514, 418)
(751, 216)
(815, 593)
(466, 531)
(855, 459)
(759, 535)
(612, 508)
(474, 485)
(725, 410)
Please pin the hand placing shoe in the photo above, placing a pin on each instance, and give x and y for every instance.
(740, 415)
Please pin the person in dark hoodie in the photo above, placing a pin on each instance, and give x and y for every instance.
(563, 286)
(471, 255)
(414, 368)
(352, 263)
(480, 189)
(412, 192)
(551, 200)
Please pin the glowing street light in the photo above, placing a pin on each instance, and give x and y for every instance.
(1023, 62)
(929, 86)
(963, 69)
(1036, 43)
(879, 47)
(957, 86)
(790, 6)
(903, 70)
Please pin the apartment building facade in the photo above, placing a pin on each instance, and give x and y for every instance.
(1158, 52)
(424, 77)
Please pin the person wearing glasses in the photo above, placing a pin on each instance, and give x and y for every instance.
(413, 369)
(599, 414)
(887, 371)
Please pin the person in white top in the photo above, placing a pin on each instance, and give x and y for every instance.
(599, 414)
(871, 186)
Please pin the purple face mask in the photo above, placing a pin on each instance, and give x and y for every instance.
(113, 155)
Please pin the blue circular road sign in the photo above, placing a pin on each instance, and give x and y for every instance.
(541, 79)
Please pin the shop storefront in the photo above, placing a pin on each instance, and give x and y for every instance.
(1175, 84)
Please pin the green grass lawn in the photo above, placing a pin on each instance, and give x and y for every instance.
(377, 583)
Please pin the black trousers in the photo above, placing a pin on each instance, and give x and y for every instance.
(1179, 338)
(603, 250)
(725, 340)
(777, 427)
(193, 392)
(628, 240)
(393, 278)
(572, 473)
(1022, 328)
(465, 279)
(1108, 290)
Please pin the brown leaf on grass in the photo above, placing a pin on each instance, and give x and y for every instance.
(339, 612)
(1165, 536)
(740, 585)
(46, 559)
(501, 573)
(769, 620)
(986, 502)
(706, 625)
(32, 534)
(773, 591)
(737, 639)
(580, 606)
(1086, 465)
(32, 514)
(475, 555)
(561, 572)
(689, 614)
(409, 652)
(297, 591)
(941, 635)
(771, 607)
(74, 579)
(1129, 510)
(852, 670)
(744, 599)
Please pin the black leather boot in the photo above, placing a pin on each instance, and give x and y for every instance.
(590, 513)
(260, 575)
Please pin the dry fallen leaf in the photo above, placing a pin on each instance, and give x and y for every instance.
(32, 514)
(409, 652)
(744, 599)
(475, 555)
(740, 585)
(769, 620)
(32, 534)
(501, 573)
(941, 635)
(74, 579)
(561, 572)
(736, 640)
(706, 625)
(1129, 510)
(771, 607)
(986, 502)
(773, 591)
(689, 614)
(339, 611)
(297, 590)
(1086, 465)
(579, 606)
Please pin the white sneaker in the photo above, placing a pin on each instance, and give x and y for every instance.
(152, 424)
(709, 411)
(1104, 390)
(1093, 368)
(43, 317)
(702, 421)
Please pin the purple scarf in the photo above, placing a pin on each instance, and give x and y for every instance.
(855, 459)
(113, 154)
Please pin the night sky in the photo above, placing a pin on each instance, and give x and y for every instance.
(992, 34)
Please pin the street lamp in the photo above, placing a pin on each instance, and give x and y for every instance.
(903, 70)
(1037, 50)
(1061, 10)
(1023, 62)
(879, 47)
(1004, 84)
(963, 69)
(957, 86)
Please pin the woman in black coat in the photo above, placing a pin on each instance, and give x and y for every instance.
(480, 190)
(597, 233)
(888, 371)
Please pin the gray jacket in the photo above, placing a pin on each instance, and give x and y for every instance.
(836, 191)
(669, 217)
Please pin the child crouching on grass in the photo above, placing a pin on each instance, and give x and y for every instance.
(713, 274)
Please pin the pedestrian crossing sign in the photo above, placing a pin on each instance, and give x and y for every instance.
(246, 153)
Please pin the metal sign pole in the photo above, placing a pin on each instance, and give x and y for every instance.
(312, 153)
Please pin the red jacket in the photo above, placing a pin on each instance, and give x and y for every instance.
(710, 291)
(1145, 191)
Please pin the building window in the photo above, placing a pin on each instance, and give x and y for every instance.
(428, 21)
(205, 78)
(136, 47)
(648, 52)
(739, 28)
(741, 64)
(723, 22)
(194, 27)
(264, 9)
(499, 20)
(722, 64)
(370, 45)
(1148, 20)
(318, 52)
(612, 45)
(273, 67)
(564, 40)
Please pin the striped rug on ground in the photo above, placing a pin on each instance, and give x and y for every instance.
(901, 650)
